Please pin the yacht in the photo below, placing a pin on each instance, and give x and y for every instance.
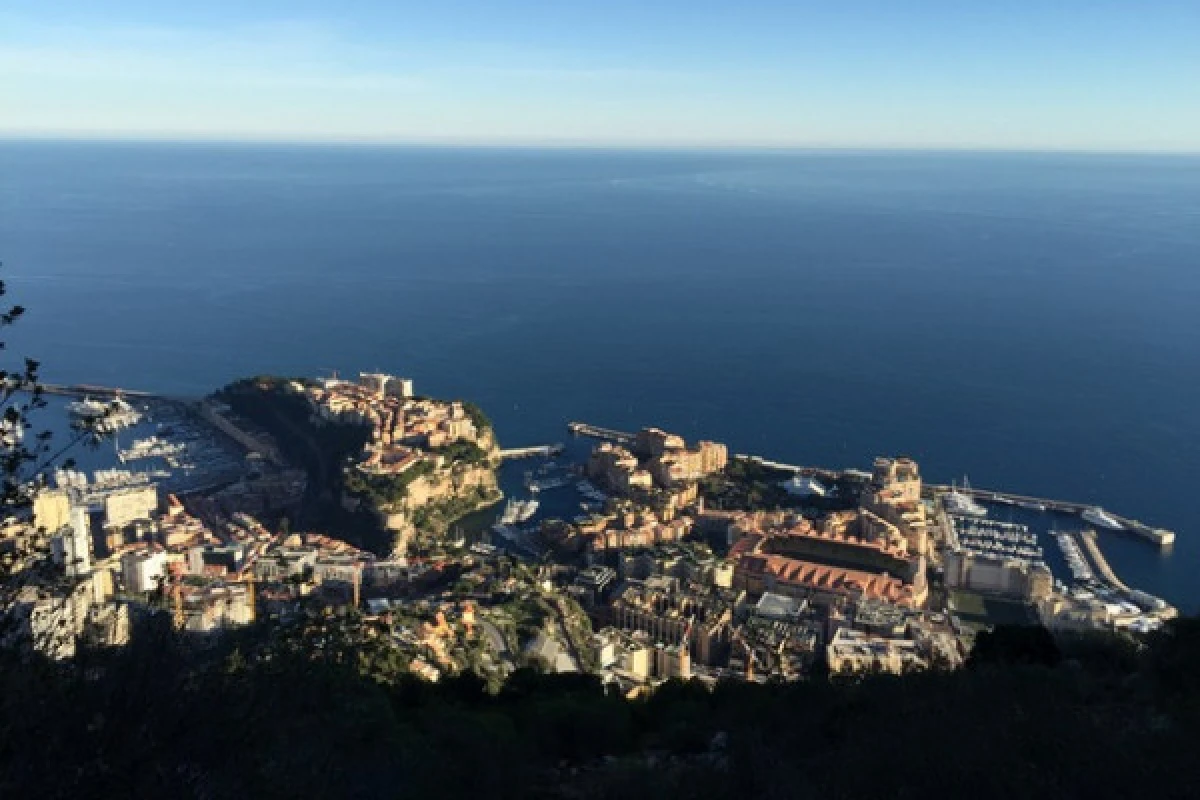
(109, 417)
(1098, 516)
(958, 503)
(517, 511)
(526, 509)
(544, 484)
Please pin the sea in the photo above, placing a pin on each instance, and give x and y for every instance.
(1029, 320)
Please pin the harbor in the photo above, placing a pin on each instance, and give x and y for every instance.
(1092, 579)
(1008, 540)
(1088, 512)
(146, 440)
(1085, 511)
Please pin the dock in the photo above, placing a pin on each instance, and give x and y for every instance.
(1099, 563)
(1152, 605)
(1159, 536)
(603, 434)
(84, 389)
(544, 450)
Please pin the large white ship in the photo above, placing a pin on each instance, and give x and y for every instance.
(956, 502)
(151, 447)
(517, 511)
(1098, 516)
(108, 417)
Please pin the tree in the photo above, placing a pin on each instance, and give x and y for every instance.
(26, 459)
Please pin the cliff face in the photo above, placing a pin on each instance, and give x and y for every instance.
(453, 483)
(435, 501)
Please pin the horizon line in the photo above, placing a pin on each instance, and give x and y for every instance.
(525, 143)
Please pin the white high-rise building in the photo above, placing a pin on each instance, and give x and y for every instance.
(143, 571)
(72, 545)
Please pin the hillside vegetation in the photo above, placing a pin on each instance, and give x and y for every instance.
(323, 709)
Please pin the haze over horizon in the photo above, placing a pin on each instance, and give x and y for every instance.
(869, 74)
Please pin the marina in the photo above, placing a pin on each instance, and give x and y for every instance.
(1085, 511)
(961, 502)
(1008, 540)
(1080, 571)
(153, 441)
(517, 511)
(589, 491)
(106, 416)
(1093, 577)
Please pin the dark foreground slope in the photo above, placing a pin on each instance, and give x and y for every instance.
(1098, 719)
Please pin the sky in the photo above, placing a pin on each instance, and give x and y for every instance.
(1008, 74)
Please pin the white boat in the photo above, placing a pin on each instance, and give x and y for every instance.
(1031, 506)
(956, 502)
(804, 486)
(517, 511)
(527, 509)
(543, 484)
(108, 417)
(1098, 516)
(87, 408)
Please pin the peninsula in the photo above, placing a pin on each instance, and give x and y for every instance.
(673, 560)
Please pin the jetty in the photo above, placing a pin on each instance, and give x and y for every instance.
(596, 432)
(88, 390)
(1098, 562)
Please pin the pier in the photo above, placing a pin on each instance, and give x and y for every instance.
(202, 410)
(544, 450)
(1154, 606)
(1098, 562)
(596, 432)
(83, 389)
(1159, 536)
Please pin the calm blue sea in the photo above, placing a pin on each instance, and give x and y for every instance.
(1029, 320)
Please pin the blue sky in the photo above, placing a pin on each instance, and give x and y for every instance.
(1043, 74)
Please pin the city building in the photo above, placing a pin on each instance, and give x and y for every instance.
(72, 545)
(697, 617)
(993, 573)
(203, 609)
(894, 493)
(144, 570)
(858, 651)
(672, 662)
(593, 584)
(844, 555)
(129, 505)
(51, 510)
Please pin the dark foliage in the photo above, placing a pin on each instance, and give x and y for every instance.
(340, 720)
